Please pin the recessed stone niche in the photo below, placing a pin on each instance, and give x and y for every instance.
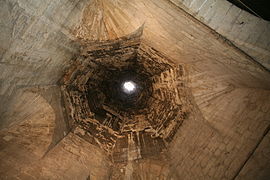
(127, 126)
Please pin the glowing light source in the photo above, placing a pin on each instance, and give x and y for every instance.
(129, 86)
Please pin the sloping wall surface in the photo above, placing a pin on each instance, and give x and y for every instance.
(248, 32)
(227, 125)
(36, 43)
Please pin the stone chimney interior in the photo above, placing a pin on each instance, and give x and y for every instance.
(134, 90)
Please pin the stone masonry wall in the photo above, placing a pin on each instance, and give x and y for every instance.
(248, 32)
(36, 43)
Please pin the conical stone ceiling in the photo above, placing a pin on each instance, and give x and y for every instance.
(103, 114)
(200, 109)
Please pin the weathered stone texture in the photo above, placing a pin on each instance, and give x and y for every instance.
(38, 43)
(220, 92)
(28, 140)
(72, 158)
(144, 169)
(219, 145)
(28, 149)
(103, 121)
(248, 32)
(258, 166)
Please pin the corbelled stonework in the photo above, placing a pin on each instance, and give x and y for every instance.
(200, 111)
(102, 114)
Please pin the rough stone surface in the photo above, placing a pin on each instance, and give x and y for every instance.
(224, 135)
(38, 43)
(148, 126)
(257, 167)
(248, 32)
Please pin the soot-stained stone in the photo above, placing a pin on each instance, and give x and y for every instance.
(142, 121)
(112, 88)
